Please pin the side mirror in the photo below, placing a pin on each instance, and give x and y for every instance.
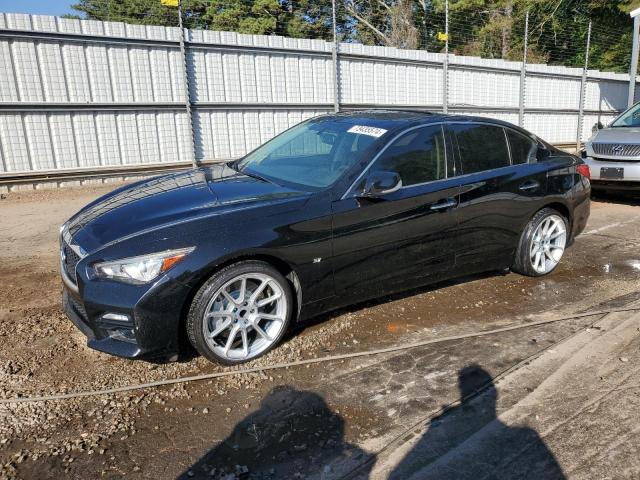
(381, 183)
(597, 126)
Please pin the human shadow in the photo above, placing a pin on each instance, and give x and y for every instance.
(469, 441)
(293, 434)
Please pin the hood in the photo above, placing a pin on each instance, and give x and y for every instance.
(617, 135)
(162, 201)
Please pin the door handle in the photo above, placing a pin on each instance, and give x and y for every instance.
(444, 204)
(529, 185)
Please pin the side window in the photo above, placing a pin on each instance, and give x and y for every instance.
(417, 156)
(523, 149)
(482, 147)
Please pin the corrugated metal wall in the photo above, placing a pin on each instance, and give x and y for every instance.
(83, 94)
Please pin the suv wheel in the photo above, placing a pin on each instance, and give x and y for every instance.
(542, 244)
(240, 313)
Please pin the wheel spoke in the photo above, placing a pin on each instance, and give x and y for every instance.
(543, 228)
(219, 313)
(268, 300)
(232, 337)
(220, 329)
(245, 342)
(537, 260)
(261, 332)
(256, 293)
(268, 316)
(551, 229)
(556, 235)
(228, 296)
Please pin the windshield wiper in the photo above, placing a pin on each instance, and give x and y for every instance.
(249, 173)
(234, 166)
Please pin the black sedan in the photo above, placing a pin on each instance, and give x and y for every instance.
(336, 210)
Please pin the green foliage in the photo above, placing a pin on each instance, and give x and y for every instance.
(142, 12)
(487, 28)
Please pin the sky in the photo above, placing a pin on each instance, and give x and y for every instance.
(37, 7)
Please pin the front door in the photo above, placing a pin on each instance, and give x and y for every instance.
(393, 241)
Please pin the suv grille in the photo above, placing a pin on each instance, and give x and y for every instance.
(70, 260)
(616, 149)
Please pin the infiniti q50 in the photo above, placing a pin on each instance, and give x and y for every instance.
(337, 209)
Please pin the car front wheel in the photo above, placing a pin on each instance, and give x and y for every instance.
(542, 244)
(240, 313)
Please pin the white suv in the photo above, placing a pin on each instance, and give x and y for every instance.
(613, 153)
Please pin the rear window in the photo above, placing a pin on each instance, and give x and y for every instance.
(523, 149)
(482, 147)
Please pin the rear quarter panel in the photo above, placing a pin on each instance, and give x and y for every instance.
(565, 186)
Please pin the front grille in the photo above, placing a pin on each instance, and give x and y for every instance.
(69, 259)
(617, 149)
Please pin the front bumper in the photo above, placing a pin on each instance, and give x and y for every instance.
(629, 180)
(97, 338)
(130, 321)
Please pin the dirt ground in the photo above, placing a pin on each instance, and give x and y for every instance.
(552, 400)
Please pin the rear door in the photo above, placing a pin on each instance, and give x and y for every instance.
(384, 244)
(500, 188)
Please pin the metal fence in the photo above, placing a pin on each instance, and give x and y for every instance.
(80, 94)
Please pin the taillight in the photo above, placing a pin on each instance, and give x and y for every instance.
(583, 169)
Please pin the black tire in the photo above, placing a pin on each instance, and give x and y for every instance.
(194, 324)
(522, 262)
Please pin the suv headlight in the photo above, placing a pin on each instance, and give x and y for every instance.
(141, 269)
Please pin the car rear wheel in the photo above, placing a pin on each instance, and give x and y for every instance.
(240, 313)
(542, 244)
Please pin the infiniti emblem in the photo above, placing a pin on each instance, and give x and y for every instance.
(618, 149)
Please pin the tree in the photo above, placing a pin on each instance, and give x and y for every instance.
(385, 22)
(142, 12)
(263, 17)
(486, 28)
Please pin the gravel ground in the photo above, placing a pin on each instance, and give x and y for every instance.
(183, 429)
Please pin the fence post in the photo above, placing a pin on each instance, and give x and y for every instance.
(185, 84)
(583, 86)
(633, 69)
(336, 71)
(523, 71)
(445, 61)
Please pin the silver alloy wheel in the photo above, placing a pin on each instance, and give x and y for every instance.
(548, 243)
(245, 316)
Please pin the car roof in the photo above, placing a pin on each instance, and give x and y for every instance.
(417, 117)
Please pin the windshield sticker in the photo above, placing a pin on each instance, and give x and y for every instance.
(364, 130)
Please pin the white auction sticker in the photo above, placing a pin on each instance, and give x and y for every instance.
(364, 130)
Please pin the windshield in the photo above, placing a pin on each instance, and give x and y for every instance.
(313, 154)
(630, 118)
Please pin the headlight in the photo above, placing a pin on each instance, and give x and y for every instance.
(141, 269)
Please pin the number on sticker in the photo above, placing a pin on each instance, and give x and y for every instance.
(365, 130)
